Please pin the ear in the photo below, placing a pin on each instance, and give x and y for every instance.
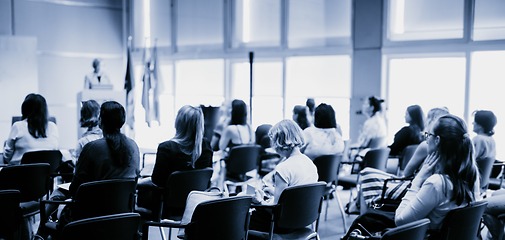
(437, 140)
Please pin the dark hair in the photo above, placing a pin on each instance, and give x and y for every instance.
(487, 120)
(417, 119)
(112, 118)
(90, 111)
(376, 103)
(34, 110)
(301, 119)
(455, 152)
(311, 104)
(325, 116)
(96, 61)
(238, 112)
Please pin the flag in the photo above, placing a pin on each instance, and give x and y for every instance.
(146, 88)
(129, 86)
(157, 82)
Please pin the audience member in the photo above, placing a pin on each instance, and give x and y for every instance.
(323, 138)
(483, 125)
(287, 139)
(411, 134)
(223, 122)
(33, 133)
(311, 107)
(421, 152)
(447, 180)
(97, 77)
(300, 116)
(90, 112)
(239, 131)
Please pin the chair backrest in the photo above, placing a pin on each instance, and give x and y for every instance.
(225, 218)
(327, 167)
(299, 205)
(407, 154)
(179, 185)
(412, 231)
(243, 159)
(105, 197)
(30, 179)
(376, 158)
(485, 166)
(261, 133)
(118, 226)
(463, 223)
(53, 157)
(11, 216)
(378, 142)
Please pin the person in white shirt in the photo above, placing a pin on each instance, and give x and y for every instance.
(97, 77)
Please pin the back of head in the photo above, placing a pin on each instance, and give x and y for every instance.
(112, 118)
(324, 116)
(311, 104)
(90, 111)
(286, 135)
(376, 103)
(34, 110)
(189, 129)
(301, 116)
(455, 151)
(487, 120)
(417, 117)
(433, 116)
(238, 112)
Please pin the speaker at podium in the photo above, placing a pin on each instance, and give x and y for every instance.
(100, 95)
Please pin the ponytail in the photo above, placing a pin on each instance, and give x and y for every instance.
(112, 116)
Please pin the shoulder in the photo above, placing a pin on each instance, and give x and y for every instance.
(438, 181)
(169, 145)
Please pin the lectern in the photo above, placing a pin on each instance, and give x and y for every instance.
(100, 96)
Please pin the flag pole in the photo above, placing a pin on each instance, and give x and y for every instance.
(251, 57)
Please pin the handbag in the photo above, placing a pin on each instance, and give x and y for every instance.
(391, 196)
(195, 198)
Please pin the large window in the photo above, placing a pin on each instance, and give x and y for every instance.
(428, 82)
(489, 23)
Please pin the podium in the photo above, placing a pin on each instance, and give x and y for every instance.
(100, 96)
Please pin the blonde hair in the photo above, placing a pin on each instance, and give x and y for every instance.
(189, 127)
(286, 135)
(433, 115)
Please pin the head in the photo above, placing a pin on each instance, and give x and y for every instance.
(415, 117)
(189, 130)
(97, 64)
(90, 111)
(484, 122)
(300, 116)
(238, 112)
(450, 140)
(311, 104)
(433, 116)
(34, 110)
(372, 105)
(285, 136)
(324, 116)
(112, 117)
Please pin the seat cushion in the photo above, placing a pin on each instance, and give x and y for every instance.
(348, 181)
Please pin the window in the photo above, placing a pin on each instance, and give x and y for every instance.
(267, 89)
(489, 23)
(425, 20)
(319, 23)
(427, 82)
(324, 78)
(257, 23)
(486, 81)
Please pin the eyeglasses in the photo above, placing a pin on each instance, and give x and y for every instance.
(428, 135)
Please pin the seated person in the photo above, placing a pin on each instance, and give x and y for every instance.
(448, 180)
(323, 138)
(300, 116)
(224, 121)
(33, 133)
(239, 132)
(89, 119)
(286, 137)
(188, 150)
(483, 125)
(409, 135)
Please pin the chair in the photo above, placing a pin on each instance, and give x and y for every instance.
(263, 140)
(31, 182)
(170, 201)
(241, 160)
(485, 167)
(462, 223)
(122, 226)
(11, 216)
(297, 207)
(497, 176)
(226, 218)
(97, 198)
(327, 169)
(407, 154)
(373, 144)
(53, 157)
(412, 231)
